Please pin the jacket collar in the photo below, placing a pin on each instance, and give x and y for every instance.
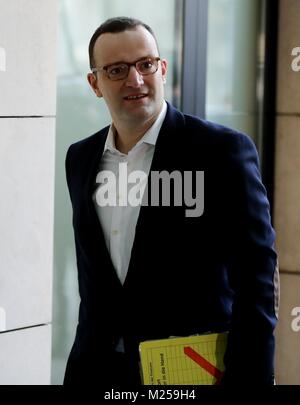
(168, 140)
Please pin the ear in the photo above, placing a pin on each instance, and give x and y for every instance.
(164, 68)
(93, 82)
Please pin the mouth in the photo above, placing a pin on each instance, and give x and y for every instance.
(135, 97)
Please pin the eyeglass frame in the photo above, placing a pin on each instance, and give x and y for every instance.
(104, 68)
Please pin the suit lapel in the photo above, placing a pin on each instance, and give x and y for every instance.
(94, 167)
(96, 235)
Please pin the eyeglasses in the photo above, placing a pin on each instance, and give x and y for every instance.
(119, 71)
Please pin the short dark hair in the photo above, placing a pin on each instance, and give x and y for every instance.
(115, 25)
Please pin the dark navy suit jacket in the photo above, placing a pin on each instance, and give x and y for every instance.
(186, 275)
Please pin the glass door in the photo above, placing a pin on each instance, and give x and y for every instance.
(80, 114)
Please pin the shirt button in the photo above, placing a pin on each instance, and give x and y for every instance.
(115, 232)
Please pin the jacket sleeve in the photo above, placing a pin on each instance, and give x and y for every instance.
(252, 270)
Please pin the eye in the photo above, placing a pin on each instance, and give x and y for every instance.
(116, 70)
(146, 65)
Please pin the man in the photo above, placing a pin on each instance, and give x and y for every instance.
(154, 271)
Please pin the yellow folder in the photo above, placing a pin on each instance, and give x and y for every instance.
(192, 360)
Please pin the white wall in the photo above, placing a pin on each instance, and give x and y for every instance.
(27, 147)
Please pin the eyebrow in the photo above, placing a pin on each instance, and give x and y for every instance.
(122, 61)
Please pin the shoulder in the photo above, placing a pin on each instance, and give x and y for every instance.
(195, 130)
(218, 142)
(216, 134)
(88, 145)
(80, 154)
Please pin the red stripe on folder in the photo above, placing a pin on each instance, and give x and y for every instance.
(203, 363)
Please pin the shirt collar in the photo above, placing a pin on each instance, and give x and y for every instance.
(150, 137)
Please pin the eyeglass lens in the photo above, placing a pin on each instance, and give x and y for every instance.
(121, 70)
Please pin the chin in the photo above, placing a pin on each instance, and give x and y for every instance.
(143, 111)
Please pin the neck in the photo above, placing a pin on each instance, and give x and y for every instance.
(127, 135)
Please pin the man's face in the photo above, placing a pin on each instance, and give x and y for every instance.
(129, 46)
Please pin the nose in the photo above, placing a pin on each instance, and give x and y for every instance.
(134, 79)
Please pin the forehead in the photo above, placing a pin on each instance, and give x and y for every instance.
(124, 46)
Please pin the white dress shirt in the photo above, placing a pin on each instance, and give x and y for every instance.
(119, 222)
